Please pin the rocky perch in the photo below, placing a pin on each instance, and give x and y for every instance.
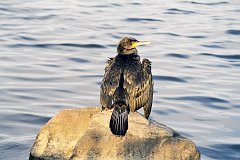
(84, 134)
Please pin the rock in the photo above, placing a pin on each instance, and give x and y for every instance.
(84, 134)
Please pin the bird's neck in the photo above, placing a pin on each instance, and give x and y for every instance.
(127, 56)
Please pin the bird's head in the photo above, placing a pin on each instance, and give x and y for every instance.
(128, 45)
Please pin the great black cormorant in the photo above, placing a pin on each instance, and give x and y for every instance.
(127, 85)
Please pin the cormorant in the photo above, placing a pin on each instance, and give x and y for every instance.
(127, 85)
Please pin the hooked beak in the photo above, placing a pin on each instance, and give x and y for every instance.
(138, 43)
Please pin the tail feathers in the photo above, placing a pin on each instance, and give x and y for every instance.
(119, 119)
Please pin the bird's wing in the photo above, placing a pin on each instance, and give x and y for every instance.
(138, 84)
(148, 75)
(110, 82)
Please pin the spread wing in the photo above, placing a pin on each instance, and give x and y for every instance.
(138, 84)
(110, 82)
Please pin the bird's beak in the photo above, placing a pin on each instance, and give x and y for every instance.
(138, 43)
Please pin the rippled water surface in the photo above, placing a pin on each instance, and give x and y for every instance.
(53, 53)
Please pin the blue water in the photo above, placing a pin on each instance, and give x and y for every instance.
(53, 53)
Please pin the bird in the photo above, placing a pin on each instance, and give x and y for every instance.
(127, 85)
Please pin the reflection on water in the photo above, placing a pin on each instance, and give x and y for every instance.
(53, 55)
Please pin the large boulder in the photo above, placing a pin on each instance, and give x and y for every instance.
(84, 134)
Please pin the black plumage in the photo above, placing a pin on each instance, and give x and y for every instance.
(127, 85)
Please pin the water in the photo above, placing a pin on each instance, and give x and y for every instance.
(53, 53)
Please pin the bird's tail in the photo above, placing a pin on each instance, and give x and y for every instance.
(119, 119)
